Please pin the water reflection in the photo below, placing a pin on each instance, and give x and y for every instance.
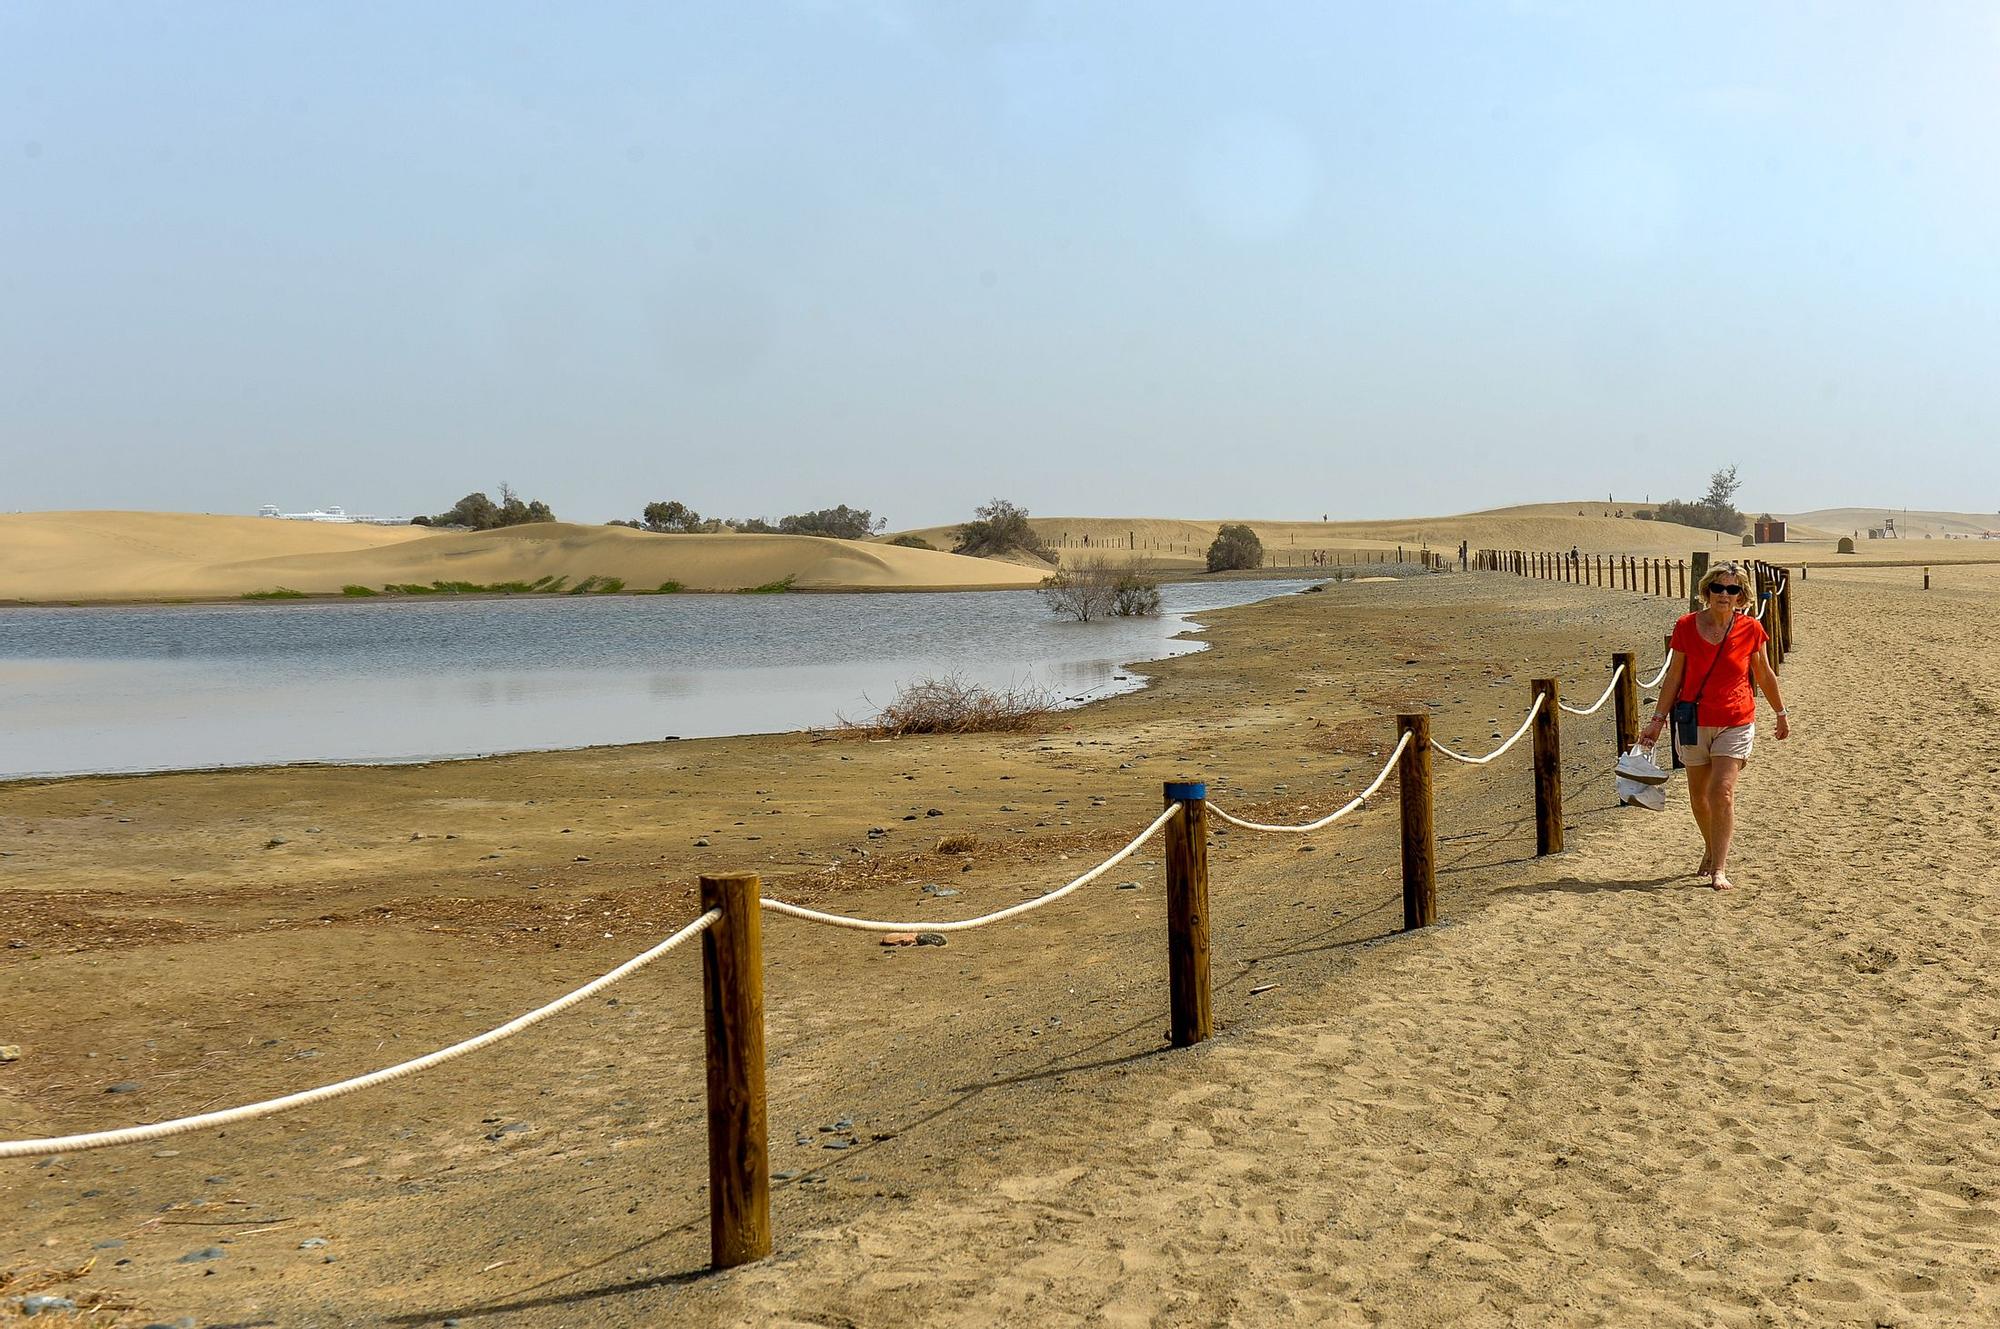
(171, 687)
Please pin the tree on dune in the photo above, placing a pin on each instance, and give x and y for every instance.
(478, 512)
(1000, 527)
(1713, 511)
(672, 517)
(842, 523)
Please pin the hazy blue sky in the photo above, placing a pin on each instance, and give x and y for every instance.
(1196, 260)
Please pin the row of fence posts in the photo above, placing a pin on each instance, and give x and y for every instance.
(1287, 556)
(732, 950)
(1649, 576)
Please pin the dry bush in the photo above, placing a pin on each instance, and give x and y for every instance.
(952, 705)
(962, 843)
(1096, 587)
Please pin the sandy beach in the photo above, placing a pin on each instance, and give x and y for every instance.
(1598, 1095)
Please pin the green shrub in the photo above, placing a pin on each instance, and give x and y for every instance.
(664, 588)
(769, 587)
(278, 593)
(359, 590)
(911, 542)
(1235, 546)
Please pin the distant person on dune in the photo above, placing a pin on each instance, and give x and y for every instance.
(1718, 652)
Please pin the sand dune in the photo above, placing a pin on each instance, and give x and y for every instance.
(1540, 526)
(1836, 522)
(66, 556)
(150, 556)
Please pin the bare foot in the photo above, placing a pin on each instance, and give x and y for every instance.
(1720, 880)
(1706, 867)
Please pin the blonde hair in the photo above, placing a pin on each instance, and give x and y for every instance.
(1718, 572)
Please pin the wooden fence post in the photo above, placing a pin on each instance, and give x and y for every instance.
(1625, 700)
(1785, 607)
(1413, 775)
(1548, 770)
(1187, 912)
(739, 1159)
(1697, 569)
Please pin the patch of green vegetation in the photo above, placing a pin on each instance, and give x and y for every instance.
(541, 585)
(664, 588)
(359, 590)
(277, 593)
(770, 587)
(598, 586)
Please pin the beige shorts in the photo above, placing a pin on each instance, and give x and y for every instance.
(1712, 741)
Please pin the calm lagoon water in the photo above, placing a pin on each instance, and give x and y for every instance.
(180, 687)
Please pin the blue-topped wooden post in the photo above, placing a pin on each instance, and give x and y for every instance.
(1187, 912)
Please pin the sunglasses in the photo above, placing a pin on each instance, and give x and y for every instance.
(1716, 588)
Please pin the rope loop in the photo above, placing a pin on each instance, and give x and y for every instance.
(1609, 688)
(1331, 817)
(966, 924)
(70, 1144)
(1533, 711)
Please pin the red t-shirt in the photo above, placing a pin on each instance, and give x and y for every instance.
(1728, 699)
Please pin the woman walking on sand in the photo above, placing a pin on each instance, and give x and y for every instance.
(1717, 653)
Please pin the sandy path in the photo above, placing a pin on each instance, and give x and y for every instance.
(1611, 1098)
(1599, 1096)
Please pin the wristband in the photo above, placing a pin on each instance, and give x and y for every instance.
(1779, 713)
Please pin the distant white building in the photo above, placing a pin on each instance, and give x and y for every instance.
(332, 514)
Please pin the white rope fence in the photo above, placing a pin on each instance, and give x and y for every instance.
(1331, 817)
(69, 1144)
(1533, 711)
(1609, 688)
(1660, 677)
(998, 915)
